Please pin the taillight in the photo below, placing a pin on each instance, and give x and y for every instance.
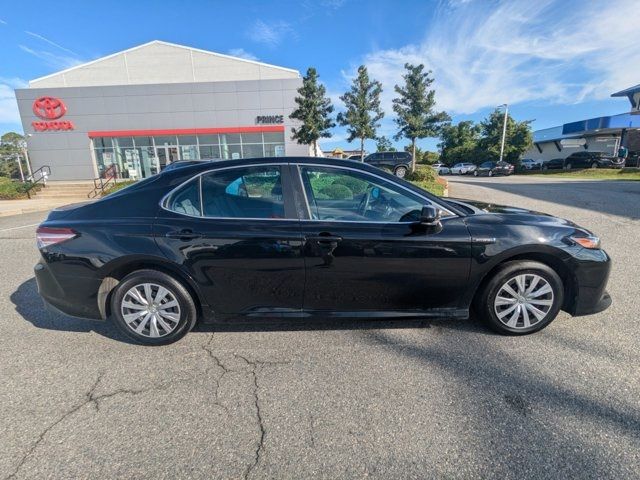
(46, 236)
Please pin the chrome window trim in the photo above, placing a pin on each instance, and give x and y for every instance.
(299, 165)
(164, 199)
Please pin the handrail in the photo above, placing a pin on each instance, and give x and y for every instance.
(39, 176)
(108, 177)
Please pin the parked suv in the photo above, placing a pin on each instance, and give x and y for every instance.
(398, 162)
(493, 168)
(592, 160)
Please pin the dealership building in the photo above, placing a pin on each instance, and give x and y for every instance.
(600, 134)
(154, 104)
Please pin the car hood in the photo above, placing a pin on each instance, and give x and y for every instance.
(493, 212)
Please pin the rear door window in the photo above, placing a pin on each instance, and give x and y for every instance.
(251, 192)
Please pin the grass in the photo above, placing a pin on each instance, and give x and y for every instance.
(436, 187)
(13, 190)
(427, 178)
(594, 173)
(118, 186)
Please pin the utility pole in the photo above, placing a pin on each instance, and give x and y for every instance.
(504, 129)
(20, 167)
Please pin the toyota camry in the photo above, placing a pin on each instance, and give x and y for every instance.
(309, 237)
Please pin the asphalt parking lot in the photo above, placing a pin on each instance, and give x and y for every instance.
(417, 399)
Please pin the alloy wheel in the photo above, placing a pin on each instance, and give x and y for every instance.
(523, 301)
(150, 310)
(400, 172)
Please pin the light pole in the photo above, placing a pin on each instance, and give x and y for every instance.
(504, 128)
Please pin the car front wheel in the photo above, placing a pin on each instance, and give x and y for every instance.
(522, 297)
(400, 172)
(594, 165)
(567, 166)
(153, 308)
(475, 173)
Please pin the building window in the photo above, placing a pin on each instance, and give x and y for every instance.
(140, 157)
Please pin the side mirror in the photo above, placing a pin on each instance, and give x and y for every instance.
(430, 216)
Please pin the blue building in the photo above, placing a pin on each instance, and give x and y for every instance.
(600, 134)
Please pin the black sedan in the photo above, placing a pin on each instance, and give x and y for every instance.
(592, 160)
(493, 168)
(553, 164)
(309, 237)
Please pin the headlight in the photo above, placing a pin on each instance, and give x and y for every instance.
(591, 241)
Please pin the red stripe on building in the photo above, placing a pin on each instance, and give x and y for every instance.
(186, 131)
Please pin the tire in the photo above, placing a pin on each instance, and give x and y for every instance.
(400, 172)
(490, 173)
(545, 168)
(499, 313)
(567, 166)
(594, 165)
(475, 173)
(180, 313)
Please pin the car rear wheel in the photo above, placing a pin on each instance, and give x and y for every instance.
(594, 165)
(153, 308)
(567, 166)
(475, 173)
(400, 172)
(522, 297)
(490, 173)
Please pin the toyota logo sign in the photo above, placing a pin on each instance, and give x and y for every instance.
(49, 108)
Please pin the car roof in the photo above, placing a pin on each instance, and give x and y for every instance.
(216, 164)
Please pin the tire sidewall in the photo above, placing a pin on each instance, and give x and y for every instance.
(485, 304)
(188, 311)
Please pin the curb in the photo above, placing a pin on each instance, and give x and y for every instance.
(22, 211)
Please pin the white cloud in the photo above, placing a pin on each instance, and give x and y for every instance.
(56, 61)
(242, 53)
(522, 50)
(8, 105)
(50, 42)
(3, 22)
(271, 33)
(331, 4)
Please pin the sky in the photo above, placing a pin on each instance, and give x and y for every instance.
(552, 61)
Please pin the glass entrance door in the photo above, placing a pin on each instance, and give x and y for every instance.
(167, 155)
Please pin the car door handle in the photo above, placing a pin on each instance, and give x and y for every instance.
(324, 238)
(185, 234)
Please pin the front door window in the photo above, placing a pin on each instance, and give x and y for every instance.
(345, 195)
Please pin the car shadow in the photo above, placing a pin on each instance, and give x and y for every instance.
(615, 199)
(29, 305)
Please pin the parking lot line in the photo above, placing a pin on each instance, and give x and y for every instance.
(17, 228)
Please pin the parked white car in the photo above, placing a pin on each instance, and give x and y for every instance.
(531, 164)
(441, 168)
(462, 168)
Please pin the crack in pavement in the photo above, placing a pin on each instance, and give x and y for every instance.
(29, 452)
(90, 398)
(256, 366)
(95, 400)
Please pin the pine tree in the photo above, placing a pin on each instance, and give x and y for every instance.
(363, 108)
(314, 111)
(414, 108)
(383, 144)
